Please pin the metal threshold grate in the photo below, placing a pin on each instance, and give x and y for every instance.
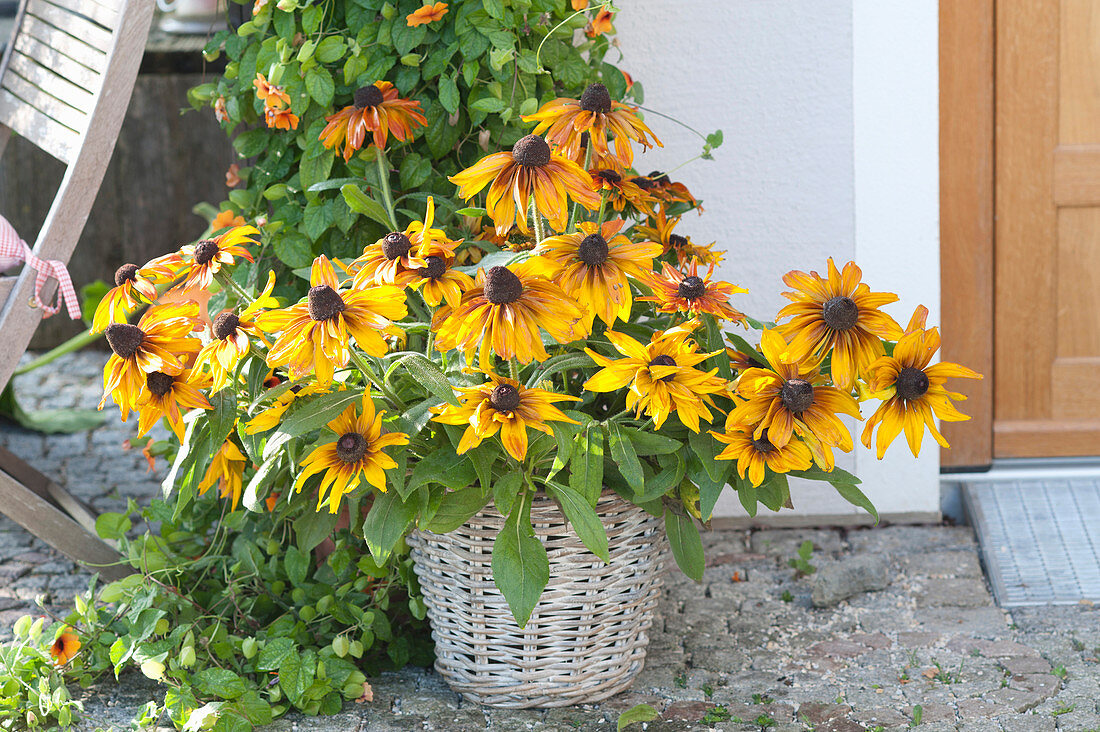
(1040, 539)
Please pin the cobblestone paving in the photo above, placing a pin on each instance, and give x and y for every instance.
(747, 644)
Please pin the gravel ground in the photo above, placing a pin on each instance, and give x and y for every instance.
(748, 644)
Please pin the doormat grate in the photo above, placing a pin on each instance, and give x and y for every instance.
(1040, 539)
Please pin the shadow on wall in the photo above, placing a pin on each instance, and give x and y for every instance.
(164, 163)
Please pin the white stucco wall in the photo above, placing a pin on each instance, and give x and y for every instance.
(830, 117)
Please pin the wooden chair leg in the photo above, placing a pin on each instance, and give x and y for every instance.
(57, 517)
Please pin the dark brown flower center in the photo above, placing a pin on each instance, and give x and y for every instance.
(225, 325)
(351, 447)
(437, 266)
(324, 303)
(395, 245)
(610, 176)
(664, 360)
(531, 152)
(205, 251)
(159, 383)
(502, 286)
(596, 99)
(644, 183)
(912, 383)
(124, 339)
(504, 398)
(692, 287)
(367, 96)
(797, 395)
(125, 273)
(840, 313)
(762, 443)
(659, 178)
(676, 241)
(592, 250)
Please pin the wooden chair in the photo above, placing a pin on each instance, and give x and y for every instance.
(65, 81)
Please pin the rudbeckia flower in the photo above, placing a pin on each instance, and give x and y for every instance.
(687, 292)
(790, 398)
(564, 120)
(315, 332)
(753, 454)
(133, 286)
(837, 315)
(395, 258)
(65, 647)
(503, 312)
(205, 259)
(530, 169)
(163, 396)
(230, 333)
(355, 455)
(156, 343)
(376, 108)
(506, 406)
(437, 281)
(621, 192)
(662, 376)
(594, 266)
(671, 192)
(661, 231)
(226, 471)
(912, 390)
(426, 14)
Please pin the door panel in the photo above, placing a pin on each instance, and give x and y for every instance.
(1047, 252)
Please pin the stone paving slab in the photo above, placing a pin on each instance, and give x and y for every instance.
(747, 644)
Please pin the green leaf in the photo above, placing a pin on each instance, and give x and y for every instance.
(488, 104)
(707, 448)
(219, 682)
(295, 677)
(442, 134)
(626, 460)
(297, 565)
(687, 546)
(444, 467)
(836, 475)
(320, 85)
(505, 490)
(361, 203)
(456, 508)
(746, 493)
(856, 497)
(774, 491)
(112, 525)
(521, 568)
(414, 171)
(448, 94)
(313, 527)
(330, 49)
(260, 480)
(495, 8)
(293, 249)
(405, 38)
(470, 211)
(582, 517)
(272, 654)
(663, 482)
(651, 443)
(385, 524)
(637, 713)
(430, 376)
(586, 464)
(559, 363)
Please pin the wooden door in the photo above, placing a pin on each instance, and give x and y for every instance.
(1047, 229)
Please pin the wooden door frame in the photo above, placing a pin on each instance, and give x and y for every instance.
(967, 123)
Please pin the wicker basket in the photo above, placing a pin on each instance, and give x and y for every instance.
(586, 639)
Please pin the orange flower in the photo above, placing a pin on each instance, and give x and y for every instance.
(426, 14)
(273, 97)
(579, 4)
(281, 119)
(205, 259)
(621, 192)
(163, 396)
(376, 108)
(225, 219)
(232, 176)
(220, 112)
(687, 292)
(64, 649)
(133, 285)
(600, 24)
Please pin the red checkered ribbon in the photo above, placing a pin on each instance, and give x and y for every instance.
(14, 250)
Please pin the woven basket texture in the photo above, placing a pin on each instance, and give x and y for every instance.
(586, 639)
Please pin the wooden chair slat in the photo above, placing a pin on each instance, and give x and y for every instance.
(49, 82)
(53, 137)
(61, 64)
(74, 48)
(44, 102)
(104, 16)
(6, 283)
(71, 23)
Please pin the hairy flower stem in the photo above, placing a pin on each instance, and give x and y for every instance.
(384, 180)
(369, 375)
(536, 221)
(228, 283)
(603, 208)
(513, 369)
(576, 206)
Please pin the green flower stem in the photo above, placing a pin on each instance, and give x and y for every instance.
(603, 208)
(73, 344)
(230, 284)
(513, 369)
(536, 221)
(369, 375)
(576, 206)
(384, 179)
